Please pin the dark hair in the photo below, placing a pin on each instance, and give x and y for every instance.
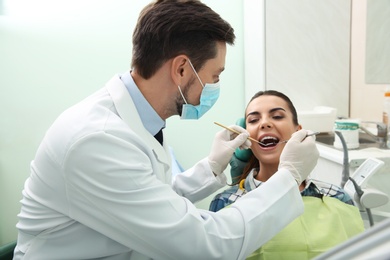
(253, 162)
(167, 28)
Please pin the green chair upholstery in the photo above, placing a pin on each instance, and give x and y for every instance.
(7, 251)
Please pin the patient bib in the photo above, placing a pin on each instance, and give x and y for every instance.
(324, 224)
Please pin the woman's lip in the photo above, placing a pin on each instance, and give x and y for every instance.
(268, 147)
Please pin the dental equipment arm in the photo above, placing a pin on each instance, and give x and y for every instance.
(345, 173)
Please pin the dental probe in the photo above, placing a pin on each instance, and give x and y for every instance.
(285, 141)
(234, 131)
(254, 140)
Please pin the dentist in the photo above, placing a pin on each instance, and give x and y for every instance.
(100, 185)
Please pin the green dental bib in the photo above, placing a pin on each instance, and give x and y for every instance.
(324, 224)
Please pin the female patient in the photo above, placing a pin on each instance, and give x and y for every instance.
(271, 118)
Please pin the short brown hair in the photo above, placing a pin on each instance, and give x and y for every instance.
(167, 28)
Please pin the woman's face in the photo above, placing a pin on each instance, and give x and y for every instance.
(269, 120)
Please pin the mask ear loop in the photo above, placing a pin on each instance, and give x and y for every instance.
(181, 93)
(201, 83)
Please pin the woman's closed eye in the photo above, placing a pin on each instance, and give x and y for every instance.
(274, 117)
(252, 121)
(278, 117)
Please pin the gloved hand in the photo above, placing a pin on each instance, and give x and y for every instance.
(300, 155)
(224, 144)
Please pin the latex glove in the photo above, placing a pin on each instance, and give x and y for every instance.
(224, 145)
(300, 155)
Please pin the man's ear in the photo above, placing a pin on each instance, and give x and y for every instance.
(178, 69)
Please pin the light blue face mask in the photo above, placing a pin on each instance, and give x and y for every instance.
(208, 97)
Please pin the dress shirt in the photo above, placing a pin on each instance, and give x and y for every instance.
(149, 117)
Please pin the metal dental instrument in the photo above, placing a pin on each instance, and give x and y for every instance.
(254, 140)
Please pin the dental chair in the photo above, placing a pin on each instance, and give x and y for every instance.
(7, 251)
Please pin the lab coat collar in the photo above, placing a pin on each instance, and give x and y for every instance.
(128, 112)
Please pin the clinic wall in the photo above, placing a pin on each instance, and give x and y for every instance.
(346, 88)
(54, 53)
(366, 100)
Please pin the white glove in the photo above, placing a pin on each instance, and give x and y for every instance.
(224, 145)
(300, 155)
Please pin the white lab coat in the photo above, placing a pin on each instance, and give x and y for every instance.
(100, 187)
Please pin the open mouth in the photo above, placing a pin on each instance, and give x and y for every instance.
(269, 141)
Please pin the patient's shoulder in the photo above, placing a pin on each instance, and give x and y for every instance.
(317, 187)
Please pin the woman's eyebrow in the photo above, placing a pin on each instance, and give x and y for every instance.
(270, 111)
(253, 113)
(276, 109)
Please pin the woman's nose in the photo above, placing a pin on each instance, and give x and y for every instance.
(265, 124)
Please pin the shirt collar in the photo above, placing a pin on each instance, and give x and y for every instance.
(149, 117)
(252, 183)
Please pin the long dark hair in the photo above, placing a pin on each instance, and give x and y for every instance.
(253, 161)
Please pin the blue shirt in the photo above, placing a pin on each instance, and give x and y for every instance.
(149, 117)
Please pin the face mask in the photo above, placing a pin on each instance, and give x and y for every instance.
(208, 97)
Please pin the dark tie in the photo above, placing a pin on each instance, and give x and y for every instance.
(159, 136)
